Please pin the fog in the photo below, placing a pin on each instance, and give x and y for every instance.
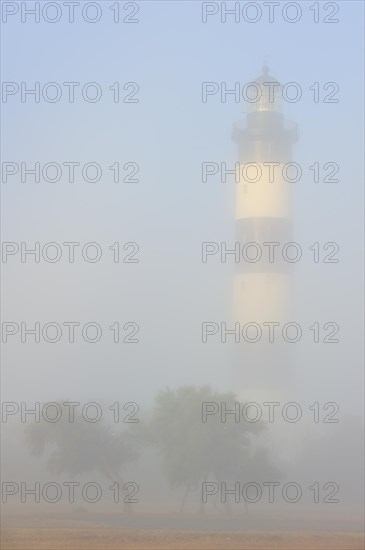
(203, 381)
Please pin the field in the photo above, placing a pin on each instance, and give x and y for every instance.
(42, 534)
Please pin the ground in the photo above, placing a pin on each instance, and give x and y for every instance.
(144, 532)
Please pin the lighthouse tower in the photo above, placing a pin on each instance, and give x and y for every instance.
(263, 284)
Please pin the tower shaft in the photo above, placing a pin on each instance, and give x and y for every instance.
(263, 288)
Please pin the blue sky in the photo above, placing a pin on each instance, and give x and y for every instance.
(169, 53)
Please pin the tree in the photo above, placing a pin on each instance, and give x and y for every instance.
(80, 446)
(194, 451)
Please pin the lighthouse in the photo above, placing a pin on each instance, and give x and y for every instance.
(263, 284)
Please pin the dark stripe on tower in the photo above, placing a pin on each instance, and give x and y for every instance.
(265, 137)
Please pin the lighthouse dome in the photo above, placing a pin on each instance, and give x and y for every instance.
(265, 76)
(264, 93)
